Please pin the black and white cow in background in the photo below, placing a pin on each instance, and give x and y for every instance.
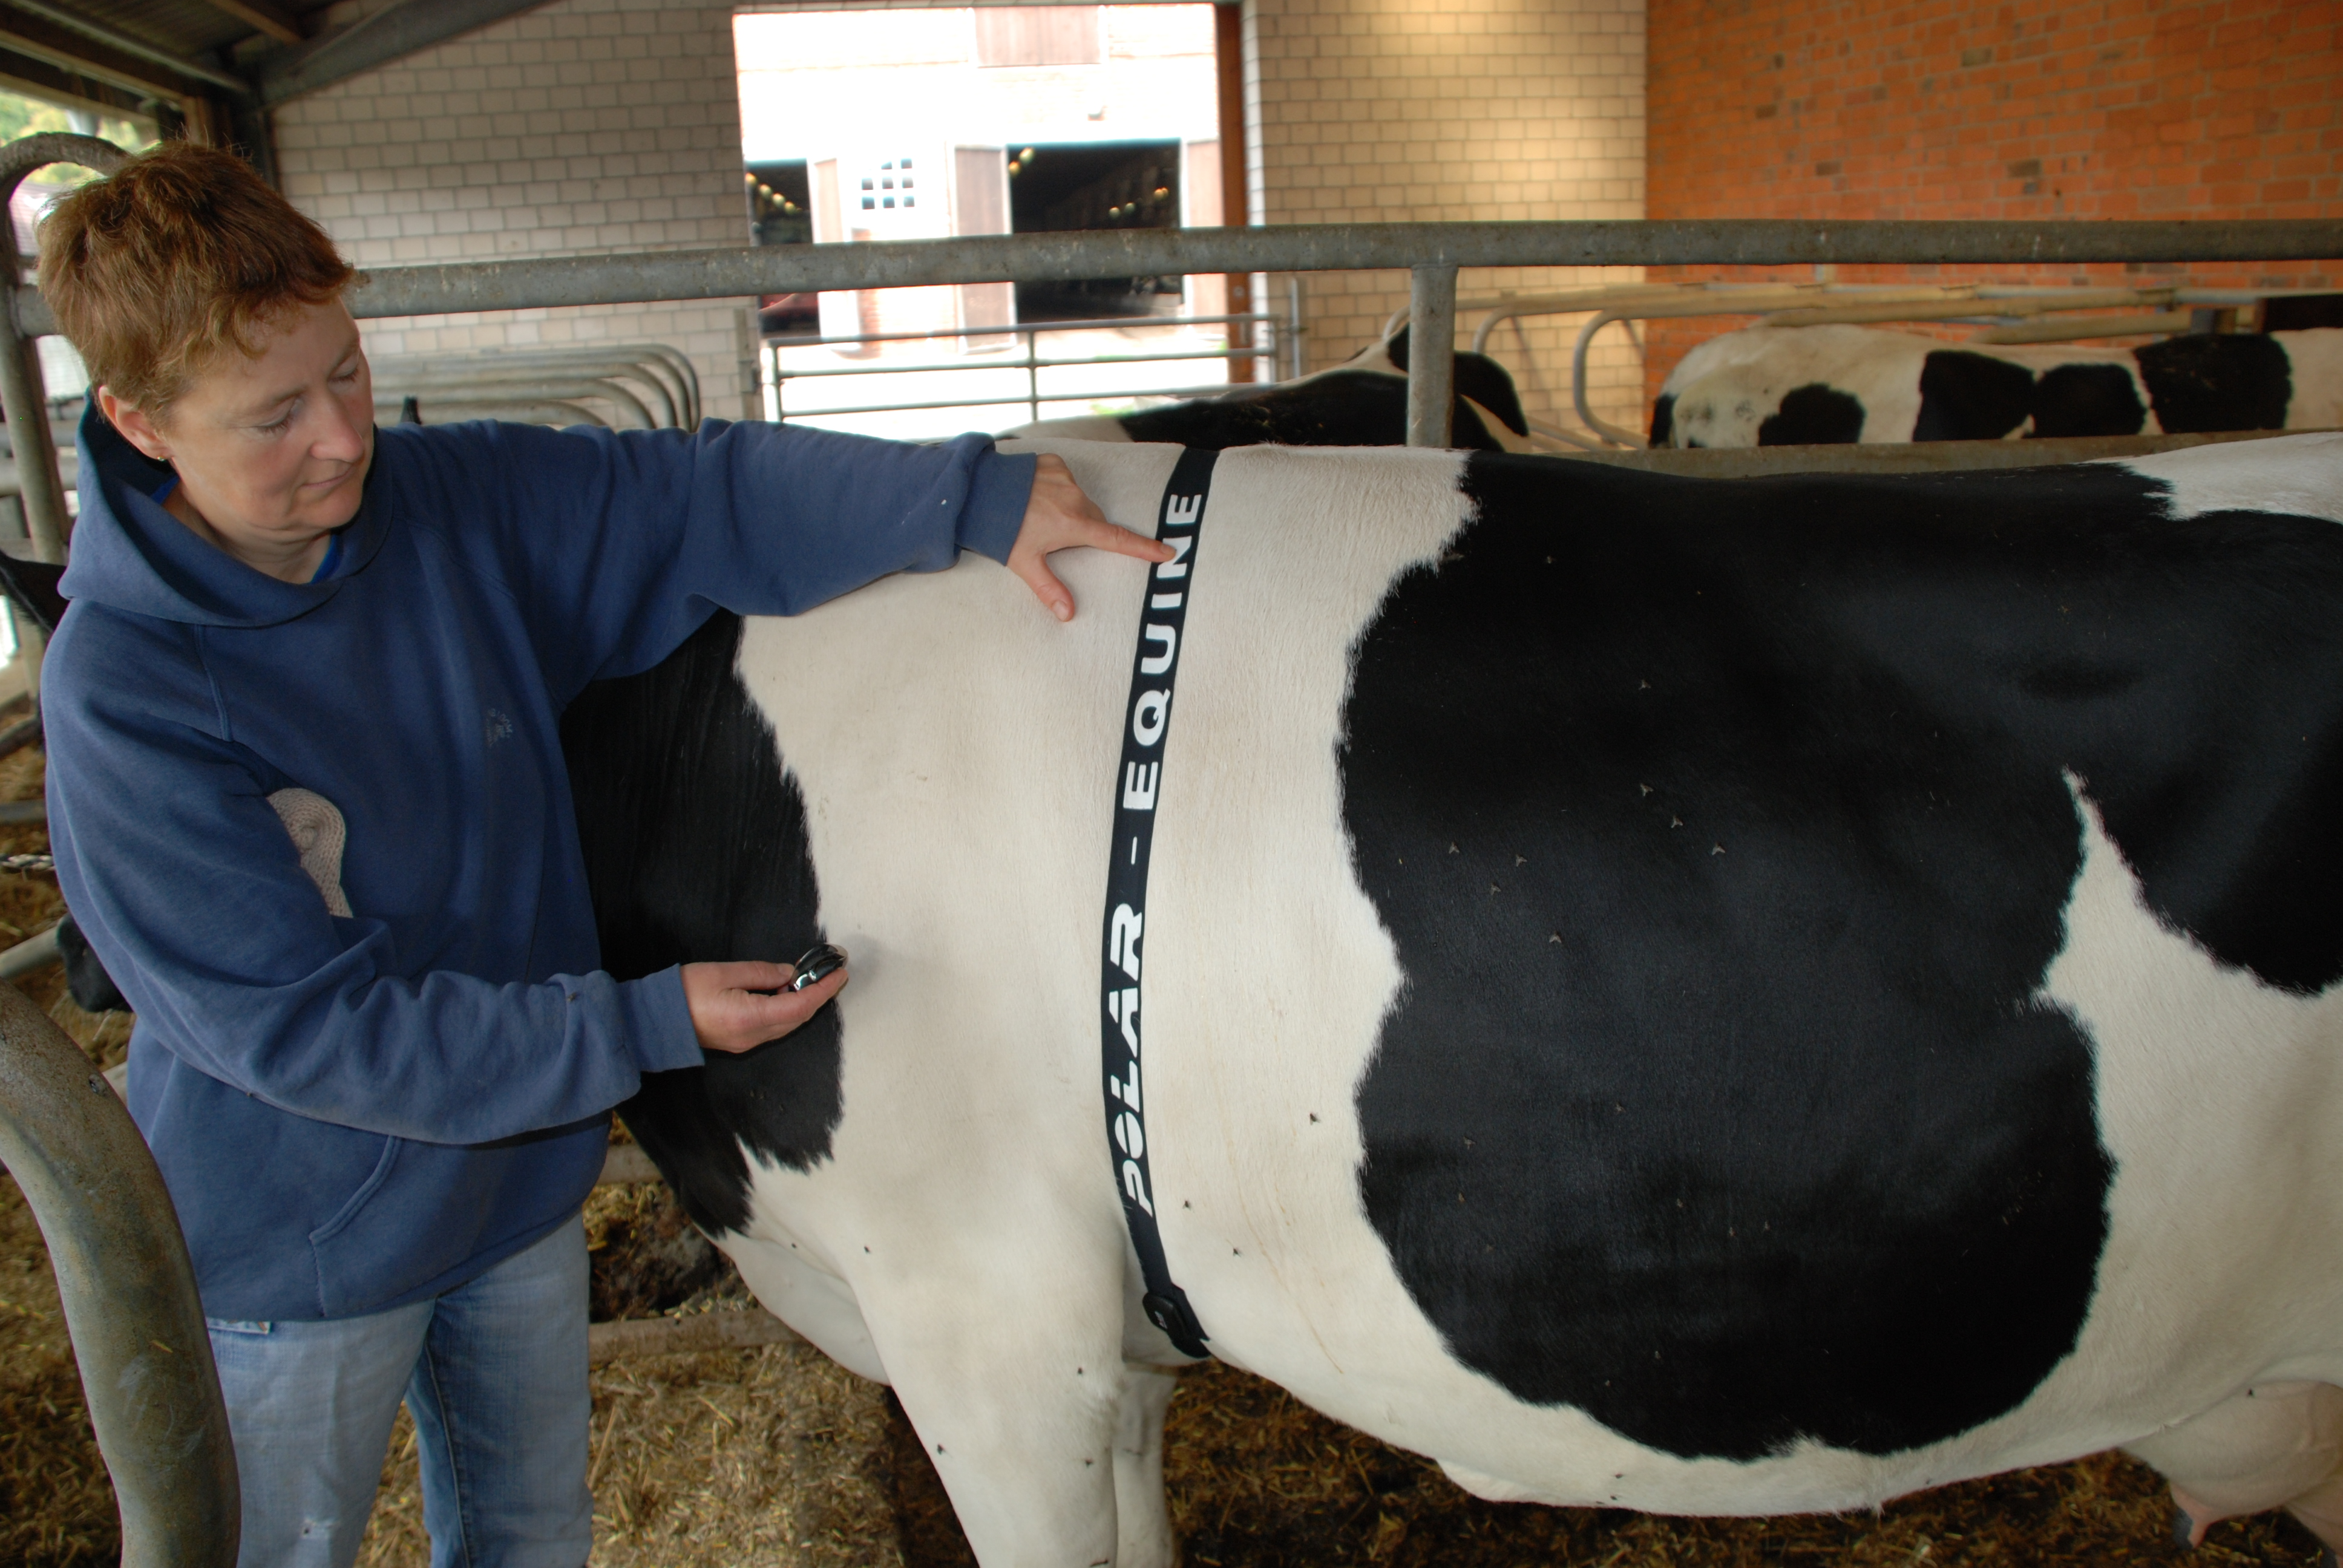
(1707, 997)
(1799, 385)
(1362, 402)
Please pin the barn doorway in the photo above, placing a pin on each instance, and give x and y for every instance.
(1053, 188)
(905, 124)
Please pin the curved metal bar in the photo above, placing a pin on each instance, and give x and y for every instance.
(23, 400)
(525, 411)
(1586, 414)
(686, 372)
(1557, 434)
(520, 386)
(129, 1295)
(647, 370)
(656, 377)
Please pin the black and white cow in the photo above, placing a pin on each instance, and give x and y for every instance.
(1707, 997)
(1362, 402)
(1798, 386)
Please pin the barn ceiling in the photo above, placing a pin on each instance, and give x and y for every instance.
(218, 60)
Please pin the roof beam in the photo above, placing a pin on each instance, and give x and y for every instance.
(263, 14)
(377, 40)
(121, 43)
(80, 59)
(43, 80)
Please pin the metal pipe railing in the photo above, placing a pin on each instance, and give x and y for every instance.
(22, 401)
(128, 1292)
(776, 376)
(734, 273)
(1431, 364)
(1033, 403)
(653, 362)
(885, 368)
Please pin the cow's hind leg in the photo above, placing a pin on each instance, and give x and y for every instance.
(1012, 1375)
(1142, 1521)
(2274, 1445)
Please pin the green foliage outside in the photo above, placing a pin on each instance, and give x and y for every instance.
(20, 117)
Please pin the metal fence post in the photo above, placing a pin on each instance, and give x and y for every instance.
(1033, 376)
(23, 400)
(1431, 354)
(1293, 324)
(129, 1295)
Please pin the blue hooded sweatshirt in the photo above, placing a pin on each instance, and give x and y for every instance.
(354, 1113)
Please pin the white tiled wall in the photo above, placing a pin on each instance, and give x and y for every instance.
(585, 125)
(1397, 110)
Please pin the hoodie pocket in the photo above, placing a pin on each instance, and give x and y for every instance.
(322, 1237)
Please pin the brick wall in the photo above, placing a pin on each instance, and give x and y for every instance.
(1468, 109)
(2038, 109)
(585, 125)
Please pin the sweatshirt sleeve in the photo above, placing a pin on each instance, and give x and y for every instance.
(618, 544)
(189, 889)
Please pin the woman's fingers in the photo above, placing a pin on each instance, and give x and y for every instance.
(738, 1006)
(1059, 516)
(1055, 596)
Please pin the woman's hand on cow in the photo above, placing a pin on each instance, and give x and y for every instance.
(737, 1007)
(1060, 518)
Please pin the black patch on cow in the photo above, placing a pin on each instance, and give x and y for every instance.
(1724, 832)
(1339, 408)
(1967, 397)
(2217, 381)
(1479, 377)
(2300, 312)
(93, 990)
(696, 849)
(2087, 401)
(1813, 416)
(33, 586)
(1664, 418)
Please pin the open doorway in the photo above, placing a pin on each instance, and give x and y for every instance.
(933, 122)
(1095, 186)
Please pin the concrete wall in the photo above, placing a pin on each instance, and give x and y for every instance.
(597, 125)
(1393, 110)
(2047, 109)
(586, 126)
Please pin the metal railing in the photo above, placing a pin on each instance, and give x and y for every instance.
(776, 374)
(643, 386)
(128, 1292)
(2007, 313)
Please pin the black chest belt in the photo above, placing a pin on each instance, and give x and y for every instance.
(1147, 718)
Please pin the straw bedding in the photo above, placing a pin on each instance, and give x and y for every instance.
(774, 1456)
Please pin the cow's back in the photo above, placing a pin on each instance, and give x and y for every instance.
(1756, 969)
(1719, 997)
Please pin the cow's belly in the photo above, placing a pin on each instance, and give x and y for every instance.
(961, 863)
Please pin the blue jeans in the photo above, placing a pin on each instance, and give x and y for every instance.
(494, 1372)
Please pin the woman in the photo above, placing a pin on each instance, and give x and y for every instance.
(376, 1066)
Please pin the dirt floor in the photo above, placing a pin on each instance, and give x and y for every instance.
(774, 1456)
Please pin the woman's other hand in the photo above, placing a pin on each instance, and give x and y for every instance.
(1060, 518)
(737, 1007)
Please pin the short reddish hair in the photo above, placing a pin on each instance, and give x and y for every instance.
(181, 254)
